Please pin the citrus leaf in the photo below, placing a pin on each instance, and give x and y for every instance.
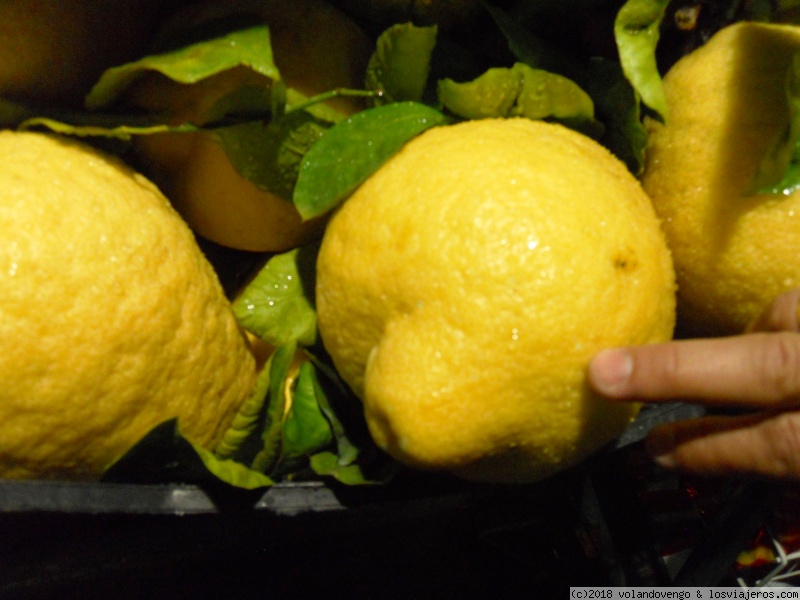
(520, 91)
(492, 94)
(354, 149)
(636, 30)
(779, 170)
(248, 421)
(277, 305)
(327, 464)
(165, 456)
(269, 455)
(269, 154)
(400, 65)
(346, 450)
(305, 428)
(249, 47)
(232, 472)
(547, 95)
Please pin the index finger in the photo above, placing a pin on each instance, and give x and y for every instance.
(756, 370)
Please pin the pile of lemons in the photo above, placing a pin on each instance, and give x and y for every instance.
(461, 290)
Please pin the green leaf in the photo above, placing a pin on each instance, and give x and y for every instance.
(400, 65)
(618, 107)
(520, 91)
(249, 47)
(328, 464)
(493, 94)
(346, 450)
(269, 153)
(305, 428)
(232, 472)
(277, 305)
(245, 428)
(165, 456)
(270, 454)
(779, 170)
(636, 29)
(547, 95)
(354, 149)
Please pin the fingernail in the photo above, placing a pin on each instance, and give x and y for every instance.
(610, 370)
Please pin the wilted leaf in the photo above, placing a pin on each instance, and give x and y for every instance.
(165, 456)
(637, 32)
(244, 431)
(400, 65)
(328, 464)
(270, 452)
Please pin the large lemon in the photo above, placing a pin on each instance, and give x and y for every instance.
(112, 319)
(316, 49)
(733, 252)
(463, 288)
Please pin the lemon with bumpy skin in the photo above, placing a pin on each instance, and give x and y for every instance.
(317, 49)
(464, 287)
(112, 319)
(733, 251)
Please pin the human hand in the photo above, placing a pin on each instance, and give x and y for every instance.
(757, 375)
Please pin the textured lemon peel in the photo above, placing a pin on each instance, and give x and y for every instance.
(116, 320)
(733, 252)
(463, 288)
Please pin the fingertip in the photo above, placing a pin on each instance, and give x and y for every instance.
(782, 314)
(610, 371)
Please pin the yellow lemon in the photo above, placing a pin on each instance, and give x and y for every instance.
(733, 252)
(463, 288)
(112, 319)
(316, 49)
(53, 52)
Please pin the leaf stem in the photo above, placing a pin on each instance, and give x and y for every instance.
(330, 95)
